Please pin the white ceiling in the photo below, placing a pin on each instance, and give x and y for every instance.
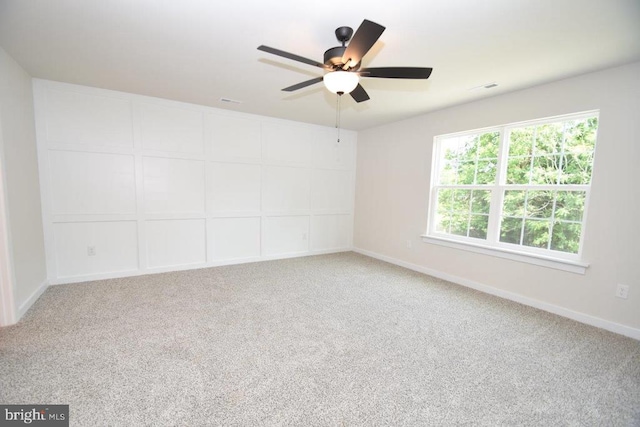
(199, 51)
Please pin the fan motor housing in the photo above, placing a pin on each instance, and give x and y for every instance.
(333, 56)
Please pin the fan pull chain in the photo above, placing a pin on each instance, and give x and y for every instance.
(338, 116)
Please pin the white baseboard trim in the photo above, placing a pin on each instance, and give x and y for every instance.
(560, 311)
(168, 269)
(26, 305)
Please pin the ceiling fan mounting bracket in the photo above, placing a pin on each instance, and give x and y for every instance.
(343, 34)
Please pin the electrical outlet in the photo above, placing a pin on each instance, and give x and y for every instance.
(91, 250)
(409, 244)
(304, 236)
(622, 291)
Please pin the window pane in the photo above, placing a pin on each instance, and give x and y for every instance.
(536, 233)
(580, 135)
(445, 200)
(580, 138)
(566, 237)
(468, 148)
(448, 173)
(478, 226)
(443, 221)
(548, 139)
(513, 203)
(510, 230)
(449, 148)
(459, 223)
(461, 200)
(466, 173)
(518, 170)
(486, 172)
(481, 201)
(570, 205)
(545, 170)
(488, 145)
(576, 168)
(521, 141)
(448, 161)
(539, 204)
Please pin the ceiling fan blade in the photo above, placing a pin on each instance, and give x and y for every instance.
(359, 94)
(303, 84)
(365, 37)
(397, 72)
(291, 56)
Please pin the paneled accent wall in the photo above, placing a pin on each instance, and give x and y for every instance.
(133, 185)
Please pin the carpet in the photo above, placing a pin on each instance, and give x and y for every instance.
(328, 340)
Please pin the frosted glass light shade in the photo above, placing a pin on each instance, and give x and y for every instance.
(341, 81)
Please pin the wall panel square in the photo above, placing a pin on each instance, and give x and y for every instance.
(331, 190)
(285, 235)
(171, 129)
(331, 232)
(91, 120)
(236, 187)
(236, 238)
(287, 144)
(115, 244)
(92, 183)
(175, 242)
(236, 138)
(173, 185)
(285, 189)
(327, 152)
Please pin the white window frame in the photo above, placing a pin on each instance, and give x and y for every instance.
(492, 245)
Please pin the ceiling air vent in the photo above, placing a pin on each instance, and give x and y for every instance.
(484, 86)
(230, 101)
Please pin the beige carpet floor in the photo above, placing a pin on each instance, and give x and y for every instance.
(335, 340)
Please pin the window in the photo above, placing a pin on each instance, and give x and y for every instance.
(520, 187)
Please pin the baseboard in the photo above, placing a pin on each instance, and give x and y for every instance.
(560, 311)
(171, 268)
(26, 305)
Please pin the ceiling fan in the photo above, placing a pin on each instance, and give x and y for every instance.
(342, 63)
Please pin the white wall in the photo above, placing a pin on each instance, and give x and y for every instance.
(19, 167)
(155, 185)
(393, 173)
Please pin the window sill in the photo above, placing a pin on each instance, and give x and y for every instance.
(549, 262)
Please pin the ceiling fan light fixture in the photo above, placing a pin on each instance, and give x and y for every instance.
(341, 81)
